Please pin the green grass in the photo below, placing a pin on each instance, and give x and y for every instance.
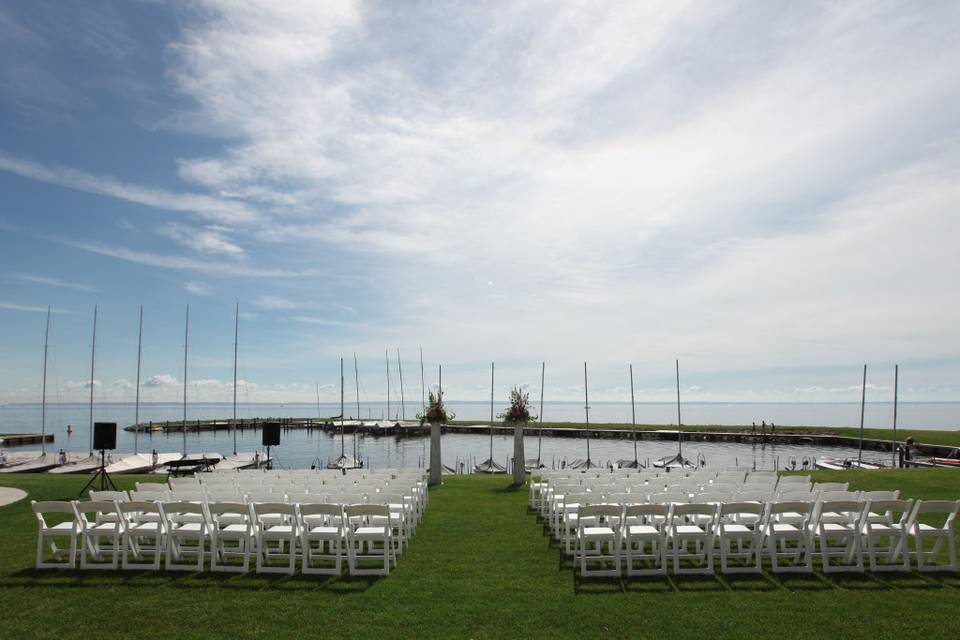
(925, 436)
(480, 566)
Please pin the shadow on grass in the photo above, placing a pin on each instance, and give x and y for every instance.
(44, 579)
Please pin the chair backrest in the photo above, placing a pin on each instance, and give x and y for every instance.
(713, 497)
(97, 507)
(217, 509)
(321, 509)
(51, 506)
(794, 480)
(147, 496)
(897, 511)
(947, 507)
(795, 496)
(151, 487)
(831, 486)
(645, 511)
(880, 495)
(178, 507)
(272, 508)
(748, 495)
(119, 496)
(851, 510)
(133, 507)
(730, 510)
(602, 511)
(681, 511)
(802, 507)
(365, 510)
(625, 498)
(834, 496)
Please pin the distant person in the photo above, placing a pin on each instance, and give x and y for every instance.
(763, 427)
(912, 452)
(62, 456)
(154, 457)
(753, 428)
(773, 428)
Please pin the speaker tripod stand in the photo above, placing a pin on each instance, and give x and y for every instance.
(101, 474)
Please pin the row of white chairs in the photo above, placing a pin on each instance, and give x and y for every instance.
(647, 538)
(137, 534)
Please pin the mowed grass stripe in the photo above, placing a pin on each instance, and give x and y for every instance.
(479, 566)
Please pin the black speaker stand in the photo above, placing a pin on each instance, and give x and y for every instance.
(101, 473)
(269, 461)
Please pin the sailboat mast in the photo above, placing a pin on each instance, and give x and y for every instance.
(318, 401)
(93, 359)
(679, 423)
(543, 371)
(403, 409)
(342, 443)
(896, 376)
(387, 357)
(863, 406)
(236, 343)
(186, 346)
(586, 409)
(491, 414)
(356, 378)
(633, 417)
(423, 386)
(43, 399)
(136, 405)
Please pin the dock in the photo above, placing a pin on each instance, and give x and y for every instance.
(20, 439)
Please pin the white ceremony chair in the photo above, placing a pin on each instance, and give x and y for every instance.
(99, 538)
(835, 533)
(740, 536)
(690, 532)
(788, 538)
(885, 534)
(51, 533)
(231, 536)
(831, 486)
(598, 540)
(143, 534)
(927, 558)
(187, 533)
(645, 539)
(368, 541)
(275, 526)
(321, 537)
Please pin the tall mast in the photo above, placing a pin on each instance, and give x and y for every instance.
(863, 405)
(236, 342)
(318, 401)
(679, 423)
(136, 406)
(423, 386)
(403, 409)
(586, 409)
(543, 371)
(43, 399)
(342, 444)
(633, 418)
(491, 414)
(93, 359)
(186, 346)
(386, 353)
(356, 378)
(896, 376)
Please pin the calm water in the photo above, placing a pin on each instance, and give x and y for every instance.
(301, 448)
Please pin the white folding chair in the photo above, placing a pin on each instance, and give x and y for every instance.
(231, 536)
(788, 540)
(922, 532)
(835, 531)
(690, 532)
(645, 539)
(885, 534)
(143, 535)
(99, 538)
(368, 541)
(598, 540)
(321, 537)
(275, 525)
(740, 536)
(187, 533)
(50, 533)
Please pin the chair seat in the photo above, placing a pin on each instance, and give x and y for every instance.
(104, 527)
(833, 527)
(324, 531)
(370, 532)
(642, 530)
(234, 529)
(63, 527)
(736, 528)
(881, 528)
(598, 532)
(188, 527)
(688, 529)
(785, 528)
(144, 527)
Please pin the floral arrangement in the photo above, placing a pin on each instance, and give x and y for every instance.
(436, 411)
(519, 411)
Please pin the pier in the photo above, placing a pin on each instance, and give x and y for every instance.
(18, 439)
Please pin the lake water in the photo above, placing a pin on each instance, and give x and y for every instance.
(299, 449)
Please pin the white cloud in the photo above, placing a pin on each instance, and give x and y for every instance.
(197, 288)
(161, 380)
(208, 239)
(276, 302)
(50, 281)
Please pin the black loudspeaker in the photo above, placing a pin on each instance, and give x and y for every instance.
(104, 435)
(271, 435)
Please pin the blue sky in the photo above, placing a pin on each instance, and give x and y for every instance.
(767, 192)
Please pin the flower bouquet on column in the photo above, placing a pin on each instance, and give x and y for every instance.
(518, 415)
(435, 415)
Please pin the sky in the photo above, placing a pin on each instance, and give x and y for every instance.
(766, 192)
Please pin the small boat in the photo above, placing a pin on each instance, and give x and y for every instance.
(345, 462)
(629, 464)
(674, 462)
(532, 465)
(584, 464)
(840, 464)
(32, 463)
(489, 466)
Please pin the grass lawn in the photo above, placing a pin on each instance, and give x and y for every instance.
(479, 566)
(926, 436)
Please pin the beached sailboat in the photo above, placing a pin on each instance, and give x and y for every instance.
(635, 463)
(677, 461)
(344, 462)
(588, 463)
(534, 464)
(490, 465)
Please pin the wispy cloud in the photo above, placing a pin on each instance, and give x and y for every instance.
(50, 281)
(202, 205)
(197, 288)
(276, 302)
(209, 239)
